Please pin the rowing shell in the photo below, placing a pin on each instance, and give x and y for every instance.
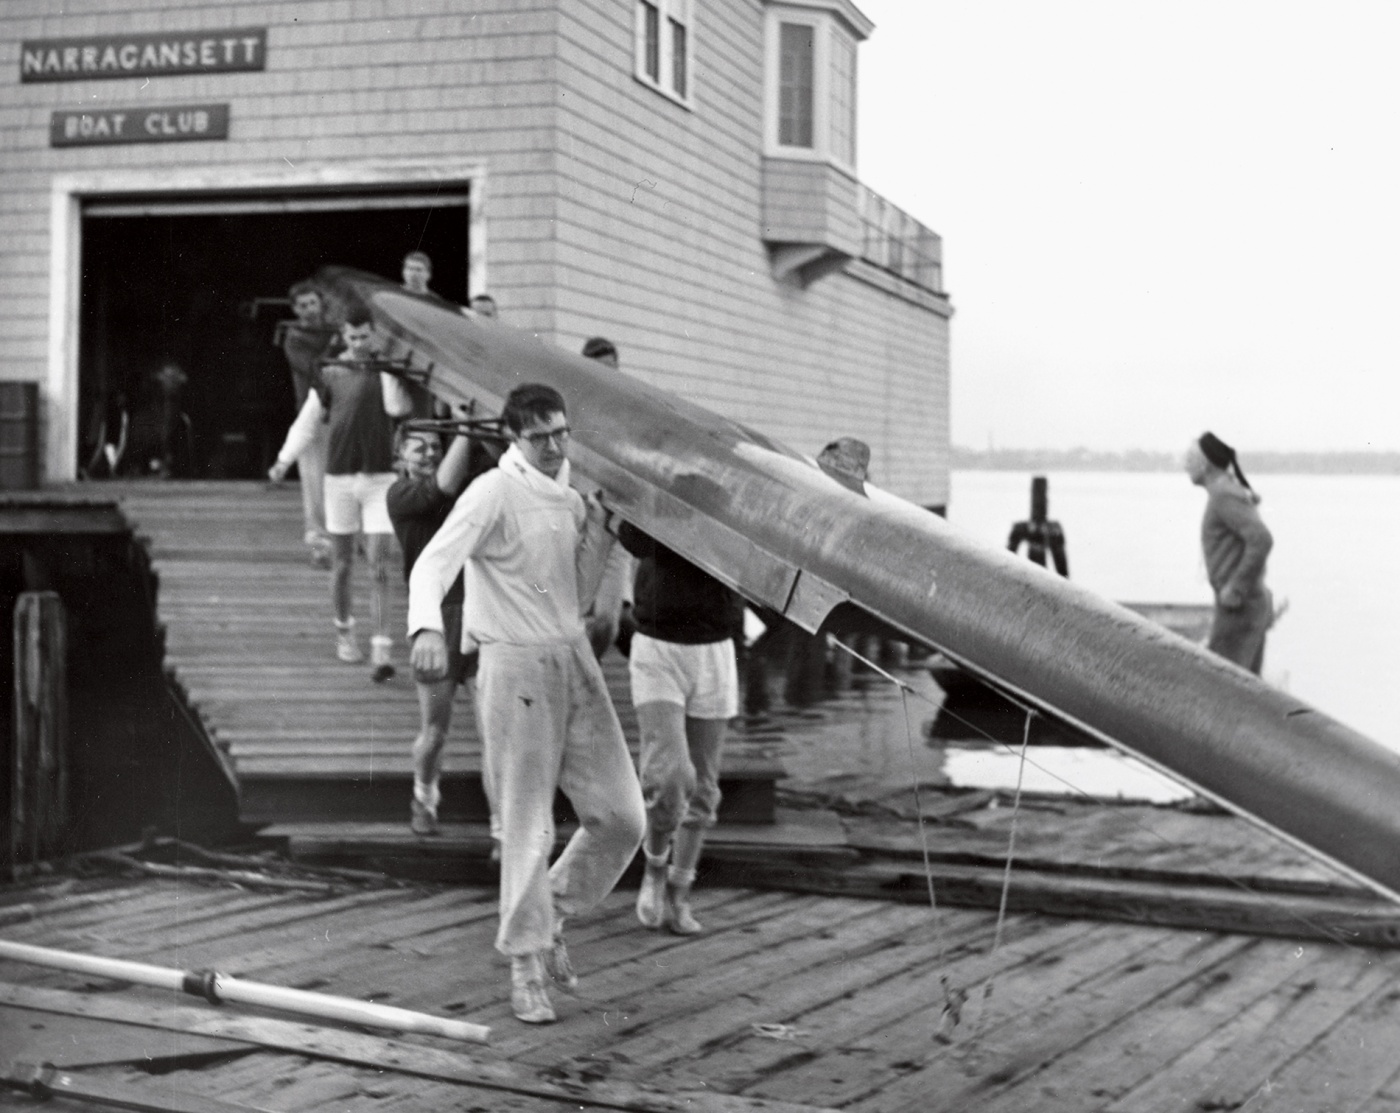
(768, 522)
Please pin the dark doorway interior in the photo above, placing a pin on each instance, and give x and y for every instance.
(204, 292)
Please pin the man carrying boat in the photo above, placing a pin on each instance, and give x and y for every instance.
(1236, 544)
(685, 687)
(358, 402)
(533, 551)
(419, 502)
(304, 341)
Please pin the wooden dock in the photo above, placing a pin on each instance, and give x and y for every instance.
(1148, 958)
(249, 641)
(787, 1002)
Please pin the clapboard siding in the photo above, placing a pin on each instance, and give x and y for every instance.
(345, 83)
(809, 202)
(609, 208)
(661, 248)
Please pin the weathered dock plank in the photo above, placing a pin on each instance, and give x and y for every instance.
(1238, 1061)
(996, 992)
(849, 997)
(1344, 1068)
(840, 1038)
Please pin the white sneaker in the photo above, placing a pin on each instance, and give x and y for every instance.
(651, 897)
(677, 914)
(423, 820)
(347, 648)
(528, 999)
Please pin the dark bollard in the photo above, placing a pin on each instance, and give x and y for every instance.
(1039, 534)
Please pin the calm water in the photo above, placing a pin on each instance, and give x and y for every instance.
(1135, 537)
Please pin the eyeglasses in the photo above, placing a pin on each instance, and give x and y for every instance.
(539, 440)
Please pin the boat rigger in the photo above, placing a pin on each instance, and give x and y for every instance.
(767, 521)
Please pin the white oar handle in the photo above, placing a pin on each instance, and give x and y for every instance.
(159, 976)
(220, 987)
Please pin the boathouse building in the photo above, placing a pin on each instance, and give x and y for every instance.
(676, 175)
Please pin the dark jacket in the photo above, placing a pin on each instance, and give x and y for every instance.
(674, 601)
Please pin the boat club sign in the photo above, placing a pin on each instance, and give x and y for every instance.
(159, 124)
(97, 56)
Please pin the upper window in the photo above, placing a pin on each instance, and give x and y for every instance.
(811, 80)
(665, 37)
(795, 92)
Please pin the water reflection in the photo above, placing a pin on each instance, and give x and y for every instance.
(860, 738)
(1061, 770)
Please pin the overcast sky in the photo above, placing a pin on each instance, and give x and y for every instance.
(1157, 217)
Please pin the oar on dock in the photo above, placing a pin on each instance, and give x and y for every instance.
(218, 988)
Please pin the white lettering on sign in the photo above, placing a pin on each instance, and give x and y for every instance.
(103, 125)
(150, 125)
(125, 55)
(191, 122)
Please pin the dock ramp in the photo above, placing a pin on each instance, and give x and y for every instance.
(250, 645)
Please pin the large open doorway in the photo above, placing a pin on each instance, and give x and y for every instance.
(201, 285)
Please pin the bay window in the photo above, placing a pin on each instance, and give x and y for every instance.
(810, 80)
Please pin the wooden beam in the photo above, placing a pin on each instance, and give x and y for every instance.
(1356, 920)
(39, 769)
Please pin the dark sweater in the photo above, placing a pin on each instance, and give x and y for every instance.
(674, 601)
(361, 434)
(417, 507)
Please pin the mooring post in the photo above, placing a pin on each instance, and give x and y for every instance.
(39, 771)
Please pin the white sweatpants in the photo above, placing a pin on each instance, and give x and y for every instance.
(549, 724)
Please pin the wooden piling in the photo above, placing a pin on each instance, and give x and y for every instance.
(39, 770)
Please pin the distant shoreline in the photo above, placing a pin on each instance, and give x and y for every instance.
(1083, 459)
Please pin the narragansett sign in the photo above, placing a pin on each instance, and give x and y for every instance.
(144, 55)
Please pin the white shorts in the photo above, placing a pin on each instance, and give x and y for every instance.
(359, 503)
(703, 679)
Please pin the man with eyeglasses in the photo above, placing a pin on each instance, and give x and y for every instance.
(533, 551)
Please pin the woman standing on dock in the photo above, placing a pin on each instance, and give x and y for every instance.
(1236, 544)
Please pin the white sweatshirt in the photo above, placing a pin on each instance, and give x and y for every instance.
(532, 552)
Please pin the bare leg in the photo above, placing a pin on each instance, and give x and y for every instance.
(435, 716)
(704, 742)
(668, 779)
(343, 561)
(377, 552)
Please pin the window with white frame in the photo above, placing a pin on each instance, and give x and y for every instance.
(810, 82)
(796, 95)
(843, 98)
(665, 46)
